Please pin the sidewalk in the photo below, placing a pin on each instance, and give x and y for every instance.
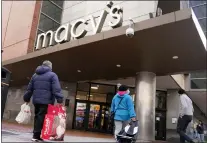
(28, 129)
(12, 132)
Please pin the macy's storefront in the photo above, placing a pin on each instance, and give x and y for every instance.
(110, 55)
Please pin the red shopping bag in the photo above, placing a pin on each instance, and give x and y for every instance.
(54, 123)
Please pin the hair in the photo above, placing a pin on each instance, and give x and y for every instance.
(47, 63)
(181, 91)
(123, 88)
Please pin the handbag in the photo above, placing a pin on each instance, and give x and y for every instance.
(113, 113)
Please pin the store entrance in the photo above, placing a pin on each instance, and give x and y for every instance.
(92, 116)
(92, 108)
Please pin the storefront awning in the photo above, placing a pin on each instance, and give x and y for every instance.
(152, 48)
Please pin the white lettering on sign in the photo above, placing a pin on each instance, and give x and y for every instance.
(75, 26)
(98, 26)
(70, 30)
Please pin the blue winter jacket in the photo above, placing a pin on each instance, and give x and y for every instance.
(44, 87)
(125, 110)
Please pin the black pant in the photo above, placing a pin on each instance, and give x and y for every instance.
(181, 128)
(40, 112)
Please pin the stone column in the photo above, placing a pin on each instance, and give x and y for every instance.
(145, 104)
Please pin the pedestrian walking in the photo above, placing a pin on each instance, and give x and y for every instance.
(122, 108)
(185, 116)
(200, 130)
(44, 87)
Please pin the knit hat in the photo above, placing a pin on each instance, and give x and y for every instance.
(47, 63)
(123, 88)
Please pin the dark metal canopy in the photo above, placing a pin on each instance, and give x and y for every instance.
(154, 44)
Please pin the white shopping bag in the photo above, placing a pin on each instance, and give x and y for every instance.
(24, 115)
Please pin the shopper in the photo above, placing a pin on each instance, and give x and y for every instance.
(185, 116)
(190, 130)
(200, 130)
(44, 87)
(123, 108)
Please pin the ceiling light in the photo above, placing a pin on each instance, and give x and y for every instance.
(94, 87)
(66, 87)
(175, 57)
(118, 65)
(77, 98)
(78, 70)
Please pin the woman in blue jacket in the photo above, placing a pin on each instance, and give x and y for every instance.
(123, 107)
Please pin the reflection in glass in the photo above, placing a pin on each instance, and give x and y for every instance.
(199, 74)
(196, 2)
(94, 116)
(160, 100)
(80, 115)
(105, 119)
(97, 88)
(81, 95)
(47, 24)
(198, 83)
(202, 22)
(200, 11)
(83, 87)
(98, 97)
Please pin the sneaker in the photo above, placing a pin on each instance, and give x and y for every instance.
(34, 140)
(37, 140)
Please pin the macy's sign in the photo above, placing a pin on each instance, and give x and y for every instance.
(51, 38)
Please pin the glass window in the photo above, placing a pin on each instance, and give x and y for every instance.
(194, 3)
(51, 10)
(80, 115)
(203, 24)
(98, 97)
(199, 75)
(160, 100)
(82, 95)
(47, 24)
(102, 93)
(59, 3)
(198, 83)
(200, 11)
(132, 93)
(97, 88)
(83, 87)
(109, 96)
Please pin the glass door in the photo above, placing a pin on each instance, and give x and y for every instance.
(80, 115)
(94, 117)
(160, 125)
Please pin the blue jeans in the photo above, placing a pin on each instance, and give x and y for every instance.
(201, 138)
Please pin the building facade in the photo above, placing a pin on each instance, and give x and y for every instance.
(87, 44)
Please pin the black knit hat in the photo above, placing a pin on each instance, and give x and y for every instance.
(123, 88)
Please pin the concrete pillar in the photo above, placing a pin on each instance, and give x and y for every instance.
(145, 105)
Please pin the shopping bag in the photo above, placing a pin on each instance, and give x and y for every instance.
(54, 124)
(24, 115)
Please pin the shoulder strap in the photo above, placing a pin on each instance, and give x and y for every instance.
(119, 104)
